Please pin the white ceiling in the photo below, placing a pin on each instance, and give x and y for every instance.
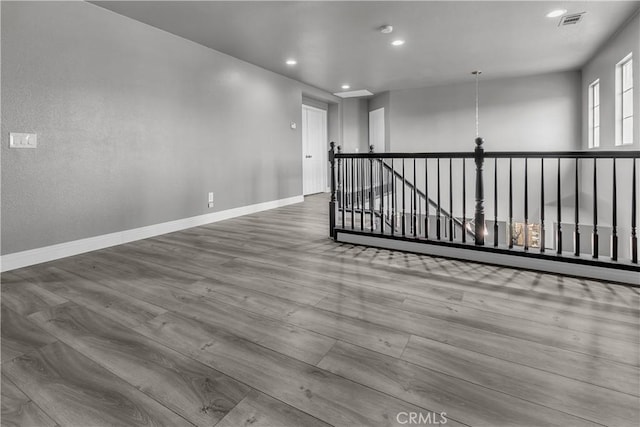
(338, 42)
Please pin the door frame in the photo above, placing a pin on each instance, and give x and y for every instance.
(325, 148)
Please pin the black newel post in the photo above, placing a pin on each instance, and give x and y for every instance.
(479, 213)
(332, 202)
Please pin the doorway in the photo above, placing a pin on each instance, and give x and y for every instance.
(376, 130)
(314, 150)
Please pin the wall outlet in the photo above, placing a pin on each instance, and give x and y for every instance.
(210, 204)
(23, 140)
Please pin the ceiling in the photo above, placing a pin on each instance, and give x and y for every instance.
(339, 42)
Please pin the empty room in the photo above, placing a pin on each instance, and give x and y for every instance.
(320, 213)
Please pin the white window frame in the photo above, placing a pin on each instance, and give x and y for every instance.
(623, 115)
(594, 114)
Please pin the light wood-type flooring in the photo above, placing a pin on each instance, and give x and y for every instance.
(263, 320)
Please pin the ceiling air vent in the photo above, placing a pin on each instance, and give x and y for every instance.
(571, 19)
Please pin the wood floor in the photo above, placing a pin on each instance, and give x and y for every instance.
(264, 321)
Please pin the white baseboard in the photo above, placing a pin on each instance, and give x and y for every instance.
(49, 253)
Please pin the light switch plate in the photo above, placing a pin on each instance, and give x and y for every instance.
(23, 140)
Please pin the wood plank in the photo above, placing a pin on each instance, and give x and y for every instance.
(461, 400)
(280, 280)
(501, 277)
(129, 268)
(18, 410)
(195, 391)
(143, 283)
(355, 331)
(558, 316)
(572, 295)
(585, 367)
(305, 279)
(598, 404)
(526, 329)
(75, 391)
(363, 273)
(26, 298)
(155, 250)
(112, 304)
(309, 389)
(296, 342)
(20, 335)
(260, 410)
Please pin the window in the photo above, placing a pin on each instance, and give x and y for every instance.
(624, 101)
(594, 114)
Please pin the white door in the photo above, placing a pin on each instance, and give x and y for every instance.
(314, 150)
(376, 130)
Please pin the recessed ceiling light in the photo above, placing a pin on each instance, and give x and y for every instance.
(397, 42)
(556, 13)
(346, 87)
(291, 62)
(386, 29)
(353, 93)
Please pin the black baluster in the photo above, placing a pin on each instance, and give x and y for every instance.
(426, 198)
(495, 202)
(419, 223)
(614, 215)
(344, 187)
(576, 232)
(393, 199)
(362, 192)
(353, 194)
(634, 233)
(510, 203)
(438, 209)
(372, 201)
(542, 230)
(340, 184)
(526, 204)
(559, 215)
(594, 237)
(339, 181)
(415, 197)
(450, 200)
(389, 185)
(345, 165)
(464, 201)
(404, 192)
(382, 195)
(332, 202)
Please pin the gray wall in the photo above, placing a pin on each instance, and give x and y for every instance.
(535, 113)
(602, 66)
(134, 126)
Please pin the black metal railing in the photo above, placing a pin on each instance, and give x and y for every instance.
(403, 195)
